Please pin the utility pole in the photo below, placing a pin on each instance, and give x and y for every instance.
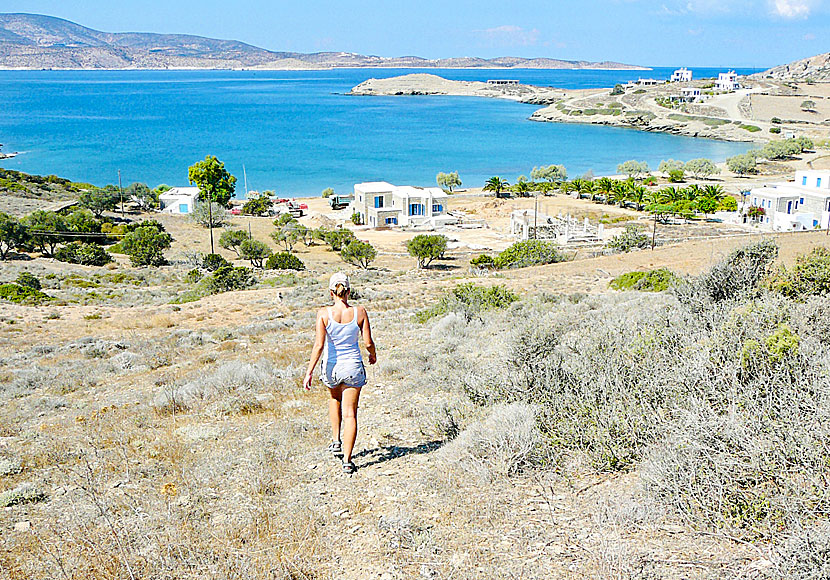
(121, 193)
(654, 234)
(210, 220)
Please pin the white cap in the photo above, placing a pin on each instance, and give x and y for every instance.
(338, 278)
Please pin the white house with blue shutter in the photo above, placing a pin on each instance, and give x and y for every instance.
(179, 200)
(382, 204)
(799, 205)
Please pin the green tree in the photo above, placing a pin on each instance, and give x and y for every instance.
(84, 254)
(633, 169)
(98, 200)
(232, 239)
(83, 221)
(808, 106)
(426, 248)
(496, 185)
(210, 215)
(45, 230)
(359, 253)
(145, 246)
(637, 194)
(631, 238)
(522, 188)
(288, 235)
(728, 203)
(328, 192)
(448, 180)
(258, 205)
(617, 90)
(213, 262)
(668, 165)
(284, 261)
(13, 235)
(707, 205)
(741, 164)
(702, 168)
(255, 251)
(213, 180)
(144, 197)
(549, 173)
(215, 185)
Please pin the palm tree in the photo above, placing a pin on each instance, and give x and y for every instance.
(603, 186)
(670, 195)
(587, 188)
(714, 192)
(565, 187)
(522, 189)
(692, 192)
(637, 194)
(618, 193)
(496, 185)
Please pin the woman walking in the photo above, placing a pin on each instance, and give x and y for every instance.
(338, 328)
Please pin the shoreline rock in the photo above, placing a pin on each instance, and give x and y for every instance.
(640, 108)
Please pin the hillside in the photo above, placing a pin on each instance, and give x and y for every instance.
(815, 68)
(32, 41)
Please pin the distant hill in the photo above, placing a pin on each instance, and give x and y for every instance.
(816, 68)
(32, 41)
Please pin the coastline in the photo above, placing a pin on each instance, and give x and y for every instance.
(4, 68)
(723, 117)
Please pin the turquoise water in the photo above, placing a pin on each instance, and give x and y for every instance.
(296, 133)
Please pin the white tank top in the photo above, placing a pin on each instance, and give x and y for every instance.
(342, 341)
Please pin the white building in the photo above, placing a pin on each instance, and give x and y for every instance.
(727, 82)
(681, 75)
(649, 82)
(383, 204)
(179, 200)
(795, 206)
(688, 95)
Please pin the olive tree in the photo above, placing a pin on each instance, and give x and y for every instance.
(45, 229)
(232, 239)
(426, 248)
(98, 200)
(549, 173)
(702, 168)
(255, 251)
(448, 180)
(13, 234)
(741, 164)
(358, 253)
(143, 196)
(145, 246)
(210, 215)
(633, 169)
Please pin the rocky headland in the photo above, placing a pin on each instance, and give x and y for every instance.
(723, 116)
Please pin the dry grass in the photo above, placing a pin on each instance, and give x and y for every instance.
(177, 443)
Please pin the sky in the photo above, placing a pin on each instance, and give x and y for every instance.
(736, 33)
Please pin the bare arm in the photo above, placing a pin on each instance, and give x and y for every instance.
(366, 330)
(316, 350)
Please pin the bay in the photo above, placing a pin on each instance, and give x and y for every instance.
(296, 132)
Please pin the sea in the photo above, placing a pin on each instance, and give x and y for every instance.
(297, 132)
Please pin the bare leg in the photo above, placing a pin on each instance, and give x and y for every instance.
(336, 395)
(350, 396)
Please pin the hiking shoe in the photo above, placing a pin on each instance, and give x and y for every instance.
(335, 448)
(349, 467)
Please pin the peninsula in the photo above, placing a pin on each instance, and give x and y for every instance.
(33, 41)
(764, 107)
